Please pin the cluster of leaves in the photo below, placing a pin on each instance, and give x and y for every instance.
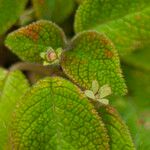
(67, 109)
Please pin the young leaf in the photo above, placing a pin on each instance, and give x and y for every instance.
(118, 132)
(10, 10)
(103, 101)
(90, 94)
(104, 91)
(55, 114)
(55, 10)
(28, 42)
(14, 86)
(95, 86)
(92, 56)
(125, 22)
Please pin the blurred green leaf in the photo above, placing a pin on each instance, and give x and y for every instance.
(55, 114)
(92, 56)
(10, 10)
(125, 22)
(28, 42)
(79, 1)
(14, 86)
(139, 58)
(137, 121)
(142, 139)
(55, 10)
(138, 85)
(128, 111)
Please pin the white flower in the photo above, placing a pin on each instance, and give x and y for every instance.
(99, 93)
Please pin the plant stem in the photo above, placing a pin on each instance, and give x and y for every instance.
(38, 68)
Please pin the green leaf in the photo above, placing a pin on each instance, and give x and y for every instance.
(125, 22)
(95, 86)
(142, 140)
(117, 130)
(3, 74)
(138, 85)
(139, 58)
(28, 42)
(55, 10)
(79, 1)
(14, 86)
(138, 122)
(127, 109)
(92, 56)
(55, 114)
(10, 10)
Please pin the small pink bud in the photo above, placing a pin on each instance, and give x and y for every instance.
(51, 56)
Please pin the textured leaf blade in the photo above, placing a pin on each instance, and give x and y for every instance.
(56, 115)
(117, 130)
(55, 10)
(117, 19)
(91, 57)
(14, 86)
(10, 12)
(28, 42)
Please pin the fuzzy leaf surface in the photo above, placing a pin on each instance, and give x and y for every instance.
(125, 22)
(13, 87)
(28, 42)
(55, 114)
(92, 56)
(10, 12)
(117, 130)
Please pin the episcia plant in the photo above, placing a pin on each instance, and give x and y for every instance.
(68, 110)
